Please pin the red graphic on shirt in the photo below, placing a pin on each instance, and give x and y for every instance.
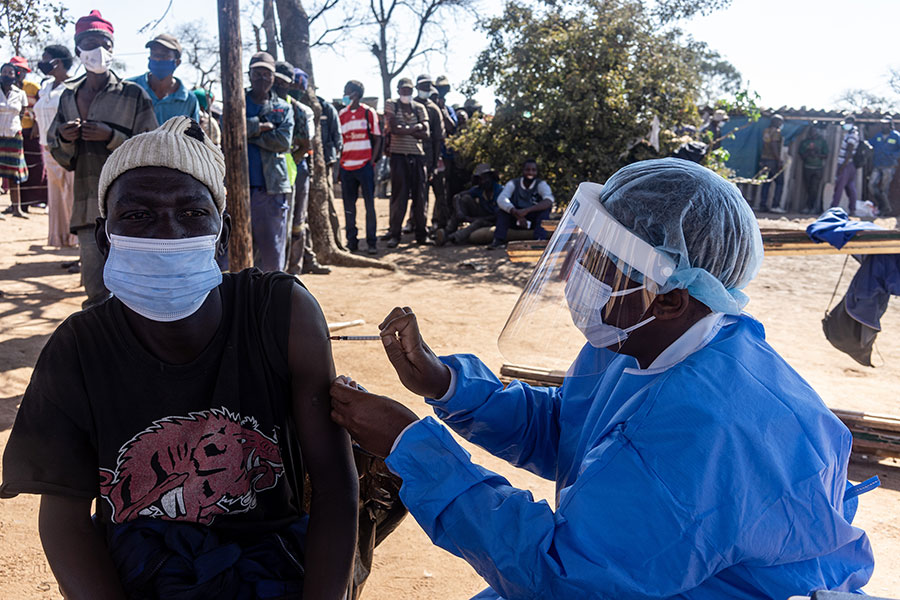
(192, 469)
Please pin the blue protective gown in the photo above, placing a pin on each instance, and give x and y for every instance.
(722, 476)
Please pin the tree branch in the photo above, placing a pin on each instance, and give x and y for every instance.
(153, 24)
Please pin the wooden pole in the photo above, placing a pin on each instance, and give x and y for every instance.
(234, 136)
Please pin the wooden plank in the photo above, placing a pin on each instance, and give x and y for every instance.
(873, 434)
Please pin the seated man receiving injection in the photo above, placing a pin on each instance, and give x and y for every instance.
(177, 403)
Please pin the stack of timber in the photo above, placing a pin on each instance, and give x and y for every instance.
(776, 242)
(873, 435)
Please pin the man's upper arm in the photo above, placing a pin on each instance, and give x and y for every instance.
(325, 446)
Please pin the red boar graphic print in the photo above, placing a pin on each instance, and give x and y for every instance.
(192, 469)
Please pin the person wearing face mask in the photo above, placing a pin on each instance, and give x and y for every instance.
(169, 95)
(886, 154)
(523, 203)
(433, 144)
(845, 174)
(97, 112)
(361, 143)
(690, 460)
(408, 126)
(13, 168)
(55, 64)
(183, 404)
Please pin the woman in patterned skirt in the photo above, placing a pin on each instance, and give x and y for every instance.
(12, 155)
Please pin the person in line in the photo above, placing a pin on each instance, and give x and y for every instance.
(55, 64)
(32, 191)
(301, 258)
(408, 127)
(691, 461)
(182, 405)
(208, 122)
(13, 169)
(361, 143)
(772, 142)
(97, 112)
(433, 144)
(813, 152)
(270, 130)
(523, 203)
(845, 174)
(169, 95)
(440, 182)
(477, 206)
(886, 153)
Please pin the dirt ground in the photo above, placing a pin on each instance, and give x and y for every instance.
(462, 297)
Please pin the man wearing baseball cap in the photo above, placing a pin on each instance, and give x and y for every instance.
(270, 131)
(97, 112)
(169, 95)
(181, 403)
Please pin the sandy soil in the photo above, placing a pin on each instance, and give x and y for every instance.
(462, 297)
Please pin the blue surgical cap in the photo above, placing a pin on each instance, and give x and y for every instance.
(695, 217)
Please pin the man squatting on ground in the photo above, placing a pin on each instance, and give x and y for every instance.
(179, 403)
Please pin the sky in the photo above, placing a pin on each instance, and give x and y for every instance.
(792, 52)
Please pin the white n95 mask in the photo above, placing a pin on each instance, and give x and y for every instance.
(587, 297)
(161, 279)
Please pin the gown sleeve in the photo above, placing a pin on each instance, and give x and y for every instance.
(519, 424)
(618, 530)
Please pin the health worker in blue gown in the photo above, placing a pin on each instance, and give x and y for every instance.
(690, 460)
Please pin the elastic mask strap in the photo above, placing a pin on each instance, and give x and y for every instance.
(621, 293)
(641, 324)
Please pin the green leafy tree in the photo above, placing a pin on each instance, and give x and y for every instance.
(26, 19)
(580, 84)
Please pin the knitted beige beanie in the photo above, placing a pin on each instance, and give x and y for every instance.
(178, 144)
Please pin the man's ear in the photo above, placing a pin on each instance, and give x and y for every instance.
(222, 246)
(100, 236)
(671, 305)
(177, 62)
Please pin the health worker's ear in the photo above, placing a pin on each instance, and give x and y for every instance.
(671, 305)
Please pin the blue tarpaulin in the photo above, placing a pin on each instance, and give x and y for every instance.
(746, 147)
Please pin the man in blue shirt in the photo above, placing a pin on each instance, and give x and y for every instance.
(270, 131)
(886, 146)
(169, 95)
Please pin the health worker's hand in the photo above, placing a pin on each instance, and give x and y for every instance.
(373, 421)
(94, 131)
(418, 367)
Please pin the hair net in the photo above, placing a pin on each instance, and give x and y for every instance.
(698, 219)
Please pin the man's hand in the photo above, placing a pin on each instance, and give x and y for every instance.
(416, 365)
(265, 127)
(71, 131)
(373, 421)
(94, 131)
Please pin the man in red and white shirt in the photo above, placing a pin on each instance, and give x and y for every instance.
(362, 146)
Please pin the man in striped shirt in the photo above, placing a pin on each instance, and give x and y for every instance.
(845, 178)
(362, 145)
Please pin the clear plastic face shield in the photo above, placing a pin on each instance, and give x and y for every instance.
(593, 284)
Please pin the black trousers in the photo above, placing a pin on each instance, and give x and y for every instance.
(407, 183)
(812, 181)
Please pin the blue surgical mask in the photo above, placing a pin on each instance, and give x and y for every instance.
(160, 279)
(161, 68)
(346, 100)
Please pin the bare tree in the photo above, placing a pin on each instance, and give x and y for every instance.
(268, 26)
(294, 22)
(863, 100)
(201, 52)
(394, 46)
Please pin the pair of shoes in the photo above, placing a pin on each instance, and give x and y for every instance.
(440, 237)
(424, 242)
(66, 265)
(495, 244)
(778, 210)
(316, 269)
(372, 250)
(393, 242)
